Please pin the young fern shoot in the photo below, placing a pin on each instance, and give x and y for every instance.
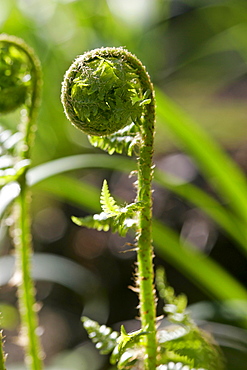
(20, 83)
(107, 93)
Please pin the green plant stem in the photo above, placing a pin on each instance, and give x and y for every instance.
(24, 250)
(26, 291)
(144, 240)
(22, 240)
(29, 124)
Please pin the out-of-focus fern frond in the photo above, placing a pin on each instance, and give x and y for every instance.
(10, 165)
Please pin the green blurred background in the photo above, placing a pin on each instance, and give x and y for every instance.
(195, 52)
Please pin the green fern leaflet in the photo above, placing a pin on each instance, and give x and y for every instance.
(118, 219)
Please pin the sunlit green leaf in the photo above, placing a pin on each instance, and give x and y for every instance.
(108, 203)
(98, 222)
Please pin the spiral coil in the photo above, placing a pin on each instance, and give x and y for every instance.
(102, 91)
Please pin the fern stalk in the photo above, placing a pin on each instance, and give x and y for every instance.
(107, 93)
(144, 239)
(26, 290)
(24, 250)
(145, 272)
(22, 90)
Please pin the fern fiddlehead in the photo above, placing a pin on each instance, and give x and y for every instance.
(107, 94)
(20, 85)
(104, 91)
(20, 80)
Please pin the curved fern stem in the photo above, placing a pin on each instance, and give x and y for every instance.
(144, 235)
(26, 291)
(144, 242)
(20, 84)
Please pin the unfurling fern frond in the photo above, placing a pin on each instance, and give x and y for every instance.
(120, 223)
(118, 219)
(107, 93)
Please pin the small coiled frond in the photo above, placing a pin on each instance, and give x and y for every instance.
(14, 76)
(18, 73)
(104, 90)
(20, 85)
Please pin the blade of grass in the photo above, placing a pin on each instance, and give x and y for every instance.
(79, 161)
(76, 192)
(223, 174)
